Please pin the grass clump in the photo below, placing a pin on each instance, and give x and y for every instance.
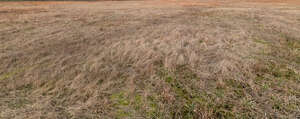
(120, 99)
(18, 103)
(193, 101)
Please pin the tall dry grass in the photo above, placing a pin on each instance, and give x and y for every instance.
(143, 61)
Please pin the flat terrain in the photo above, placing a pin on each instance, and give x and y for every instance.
(150, 59)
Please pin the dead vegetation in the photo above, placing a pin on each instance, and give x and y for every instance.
(149, 59)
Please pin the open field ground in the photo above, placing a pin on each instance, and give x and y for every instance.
(161, 59)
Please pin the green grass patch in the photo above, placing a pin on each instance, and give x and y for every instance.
(120, 99)
(121, 103)
(121, 114)
(153, 110)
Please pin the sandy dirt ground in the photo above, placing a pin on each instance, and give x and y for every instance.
(150, 59)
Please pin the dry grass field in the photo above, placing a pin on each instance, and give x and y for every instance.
(154, 59)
